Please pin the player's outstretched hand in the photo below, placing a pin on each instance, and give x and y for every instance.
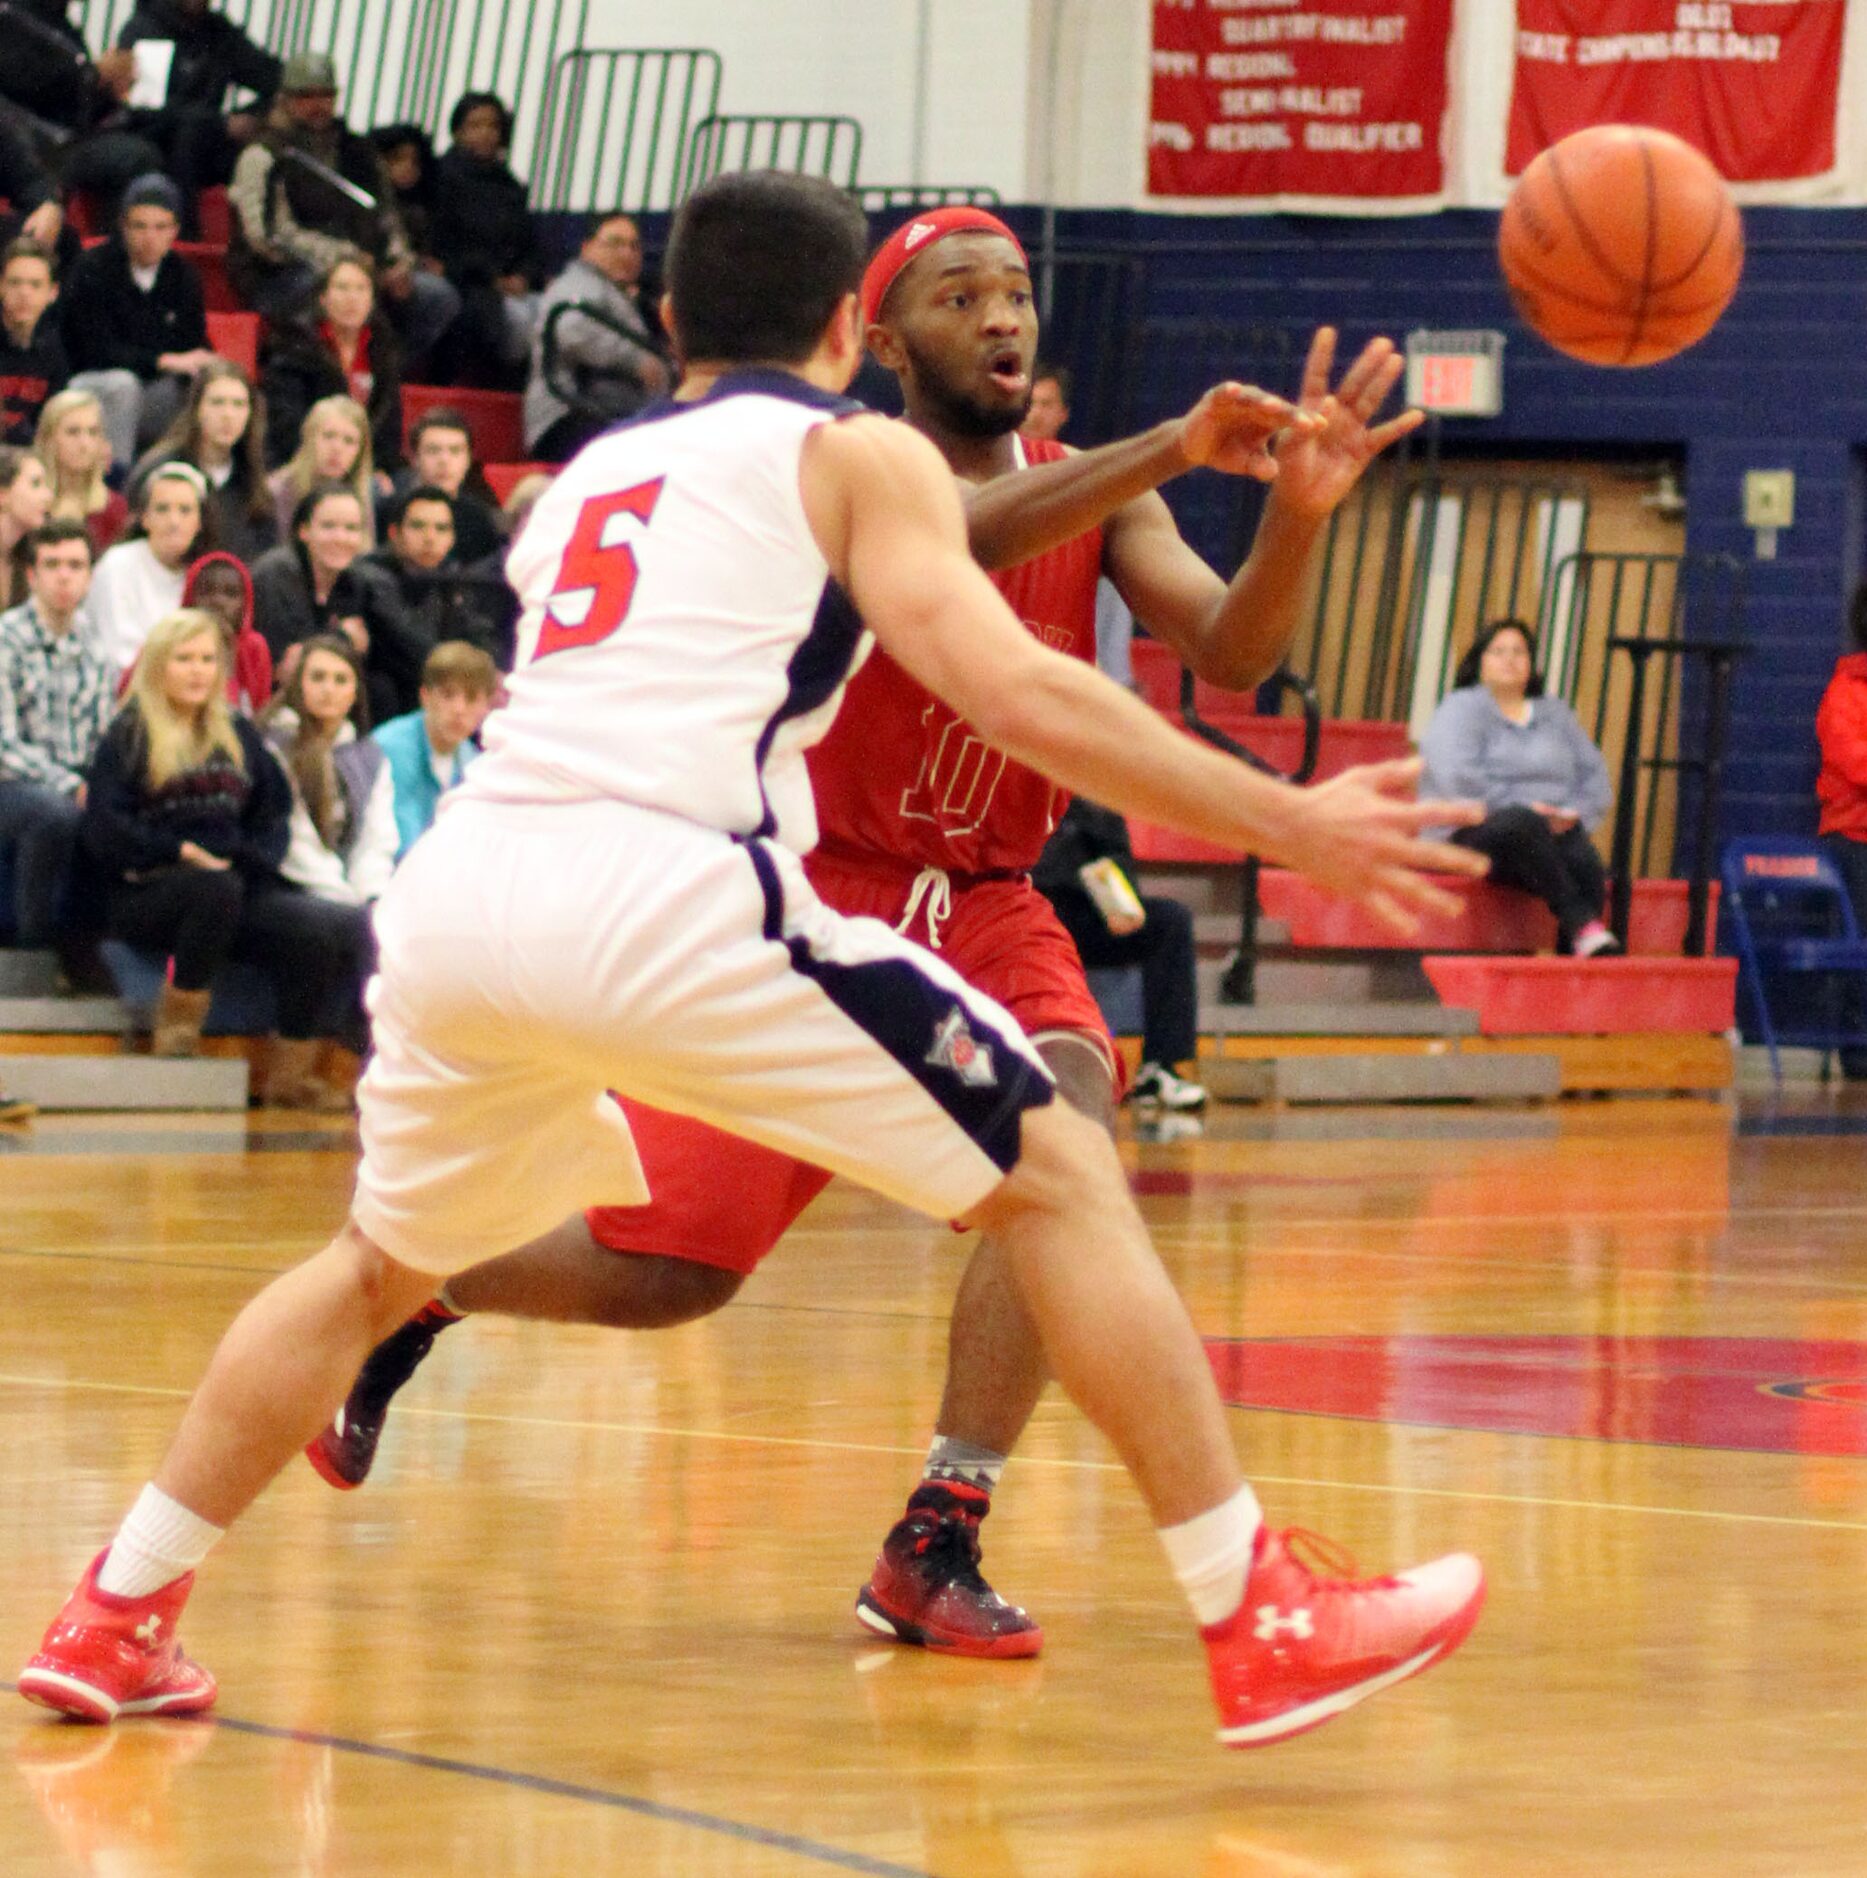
(1359, 835)
(1320, 464)
(1231, 428)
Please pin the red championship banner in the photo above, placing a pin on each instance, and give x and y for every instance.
(1312, 101)
(1755, 84)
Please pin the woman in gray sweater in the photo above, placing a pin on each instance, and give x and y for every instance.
(1497, 739)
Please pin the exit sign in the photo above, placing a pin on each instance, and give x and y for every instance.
(1456, 374)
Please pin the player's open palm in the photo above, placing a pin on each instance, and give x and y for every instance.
(1317, 466)
(1360, 835)
(1231, 427)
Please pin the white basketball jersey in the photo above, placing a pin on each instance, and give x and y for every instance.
(681, 642)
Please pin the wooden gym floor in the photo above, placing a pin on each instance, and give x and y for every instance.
(593, 1614)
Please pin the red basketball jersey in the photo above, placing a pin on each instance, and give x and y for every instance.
(902, 777)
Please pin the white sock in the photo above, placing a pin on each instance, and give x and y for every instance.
(953, 1459)
(1211, 1555)
(159, 1541)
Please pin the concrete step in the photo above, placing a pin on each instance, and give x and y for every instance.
(55, 1016)
(1443, 1078)
(1419, 1019)
(126, 1082)
(27, 974)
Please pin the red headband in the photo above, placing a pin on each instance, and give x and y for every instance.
(913, 238)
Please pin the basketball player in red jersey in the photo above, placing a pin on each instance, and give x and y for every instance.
(928, 829)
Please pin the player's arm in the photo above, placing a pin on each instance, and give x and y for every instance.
(1236, 634)
(883, 507)
(1012, 518)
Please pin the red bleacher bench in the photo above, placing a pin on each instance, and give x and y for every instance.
(1492, 919)
(216, 217)
(496, 419)
(1547, 997)
(210, 262)
(235, 336)
(503, 478)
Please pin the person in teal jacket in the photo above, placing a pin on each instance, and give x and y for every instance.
(428, 750)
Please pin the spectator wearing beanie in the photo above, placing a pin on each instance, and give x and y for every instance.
(135, 320)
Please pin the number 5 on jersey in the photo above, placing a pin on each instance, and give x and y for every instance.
(599, 563)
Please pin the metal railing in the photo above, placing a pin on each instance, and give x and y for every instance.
(827, 146)
(902, 198)
(585, 159)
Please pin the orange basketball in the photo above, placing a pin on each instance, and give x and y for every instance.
(1621, 245)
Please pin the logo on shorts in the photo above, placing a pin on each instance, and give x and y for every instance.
(955, 1048)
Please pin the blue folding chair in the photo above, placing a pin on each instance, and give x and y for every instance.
(1792, 922)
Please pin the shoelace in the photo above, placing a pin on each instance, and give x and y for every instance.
(952, 1547)
(1332, 1565)
(931, 885)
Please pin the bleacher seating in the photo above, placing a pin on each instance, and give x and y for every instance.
(495, 418)
(235, 336)
(216, 218)
(210, 262)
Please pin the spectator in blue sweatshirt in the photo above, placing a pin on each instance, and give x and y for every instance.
(1497, 738)
(429, 749)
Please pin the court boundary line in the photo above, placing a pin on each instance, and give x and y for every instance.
(771, 1837)
(1396, 1488)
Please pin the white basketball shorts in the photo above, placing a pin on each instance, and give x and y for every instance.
(534, 958)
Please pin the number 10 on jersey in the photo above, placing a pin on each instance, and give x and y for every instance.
(605, 570)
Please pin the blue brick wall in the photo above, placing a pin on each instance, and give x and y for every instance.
(1781, 383)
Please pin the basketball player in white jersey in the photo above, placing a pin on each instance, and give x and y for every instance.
(613, 899)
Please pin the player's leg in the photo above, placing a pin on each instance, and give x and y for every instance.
(927, 1587)
(1288, 1650)
(283, 1361)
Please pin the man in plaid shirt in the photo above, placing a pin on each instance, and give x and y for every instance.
(57, 692)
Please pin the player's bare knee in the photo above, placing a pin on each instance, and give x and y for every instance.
(387, 1290)
(1066, 1164)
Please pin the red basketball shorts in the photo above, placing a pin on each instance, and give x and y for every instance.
(720, 1200)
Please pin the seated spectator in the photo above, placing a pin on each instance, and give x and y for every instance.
(31, 195)
(1049, 409)
(1497, 739)
(220, 586)
(1841, 790)
(135, 320)
(343, 843)
(32, 355)
(198, 138)
(25, 503)
(313, 584)
(75, 452)
(140, 580)
(586, 373)
(73, 106)
(485, 238)
(345, 346)
(221, 431)
(57, 694)
(428, 750)
(441, 449)
(1087, 873)
(406, 153)
(333, 447)
(290, 223)
(188, 817)
(442, 599)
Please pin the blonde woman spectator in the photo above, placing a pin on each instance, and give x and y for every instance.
(141, 579)
(70, 442)
(343, 839)
(188, 816)
(25, 502)
(333, 447)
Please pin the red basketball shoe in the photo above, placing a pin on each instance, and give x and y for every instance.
(926, 1588)
(1302, 1649)
(344, 1450)
(106, 1656)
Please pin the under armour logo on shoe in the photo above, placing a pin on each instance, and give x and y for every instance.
(917, 234)
(147, 1631)
(1272, 1623)
(955, 1048)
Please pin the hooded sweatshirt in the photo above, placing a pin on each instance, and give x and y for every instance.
(1841, 729)
(249, 684)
